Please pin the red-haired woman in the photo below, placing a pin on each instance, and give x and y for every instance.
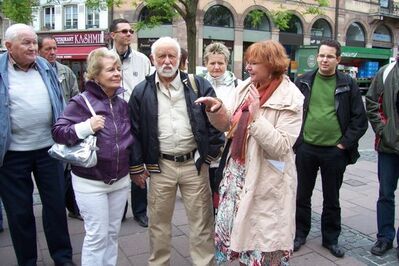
(255, 222)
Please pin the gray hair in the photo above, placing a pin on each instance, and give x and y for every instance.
(94, 62)
(216, 48)
(165, 40)
(12, 33)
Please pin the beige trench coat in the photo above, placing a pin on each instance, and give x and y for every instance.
(265, 219)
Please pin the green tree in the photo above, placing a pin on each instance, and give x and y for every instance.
(166, 10)
(18, 11)
(281, 17)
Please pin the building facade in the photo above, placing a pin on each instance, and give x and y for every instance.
(77, 29)
(369, 24)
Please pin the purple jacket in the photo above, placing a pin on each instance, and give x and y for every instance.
(114, 140)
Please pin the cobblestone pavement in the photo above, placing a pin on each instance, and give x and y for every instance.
(356, 244)
(368, 155)
(358, 195)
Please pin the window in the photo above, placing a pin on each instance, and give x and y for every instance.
(321, 30)
(92, 18)
(256, 20)
(218, 16)
(384, 3)
(48, 18)
(71, 17)
(382, 34)
(294, 26)
(355, 35)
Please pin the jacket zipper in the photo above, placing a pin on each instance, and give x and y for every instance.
(116, 137)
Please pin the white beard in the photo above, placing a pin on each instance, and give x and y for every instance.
(167, 73)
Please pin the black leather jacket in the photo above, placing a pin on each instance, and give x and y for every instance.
(143, 108)
(348, 107)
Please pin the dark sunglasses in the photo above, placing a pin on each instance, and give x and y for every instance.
(125, 31)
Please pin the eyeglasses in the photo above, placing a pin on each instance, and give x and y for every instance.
(252, 63)
(125, 31)
(327, 56)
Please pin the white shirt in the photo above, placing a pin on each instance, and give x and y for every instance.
(30, 110)
(174, 129)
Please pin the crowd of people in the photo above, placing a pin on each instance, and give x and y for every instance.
(243, 154)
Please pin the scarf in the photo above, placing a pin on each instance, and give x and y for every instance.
(227, 79)
(241, 119)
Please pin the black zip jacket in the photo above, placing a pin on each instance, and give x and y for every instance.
(143, 108)
(348, 107)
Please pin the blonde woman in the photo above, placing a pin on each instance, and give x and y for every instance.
(101, 191)
(224, 82)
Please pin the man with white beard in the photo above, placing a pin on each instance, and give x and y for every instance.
(174, 135)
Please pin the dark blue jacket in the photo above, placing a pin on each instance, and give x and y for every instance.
(143, 107)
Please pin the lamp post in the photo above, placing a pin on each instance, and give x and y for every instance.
(336, 20)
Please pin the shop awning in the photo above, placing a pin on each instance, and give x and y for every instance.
(365, 53)
(74, 52)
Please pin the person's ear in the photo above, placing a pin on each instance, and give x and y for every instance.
(8, 45)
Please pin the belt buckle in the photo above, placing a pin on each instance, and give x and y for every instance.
(111, 181)
(178, 159)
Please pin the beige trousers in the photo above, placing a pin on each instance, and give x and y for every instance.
(196, 196)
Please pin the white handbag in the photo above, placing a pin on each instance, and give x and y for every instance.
(83, 153)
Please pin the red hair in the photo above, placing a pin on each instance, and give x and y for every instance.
(270, 53)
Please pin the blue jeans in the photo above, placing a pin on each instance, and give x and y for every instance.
(388, 173)
(16, 189)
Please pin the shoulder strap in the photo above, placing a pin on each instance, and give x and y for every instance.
(193, 83)
(235, 83)
(387, 71)
(88, 104)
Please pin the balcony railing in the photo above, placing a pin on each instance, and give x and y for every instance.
(389, 8)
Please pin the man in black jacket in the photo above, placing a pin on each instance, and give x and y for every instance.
(175, 145)
(334, 120)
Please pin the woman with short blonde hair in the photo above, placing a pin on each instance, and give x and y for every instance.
(101, 191)
(216, 59)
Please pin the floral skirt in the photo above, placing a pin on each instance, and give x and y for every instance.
(230, 192)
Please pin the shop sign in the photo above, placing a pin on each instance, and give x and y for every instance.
(381, 37)
(311, 61)
(348, 54)
(79, 38)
